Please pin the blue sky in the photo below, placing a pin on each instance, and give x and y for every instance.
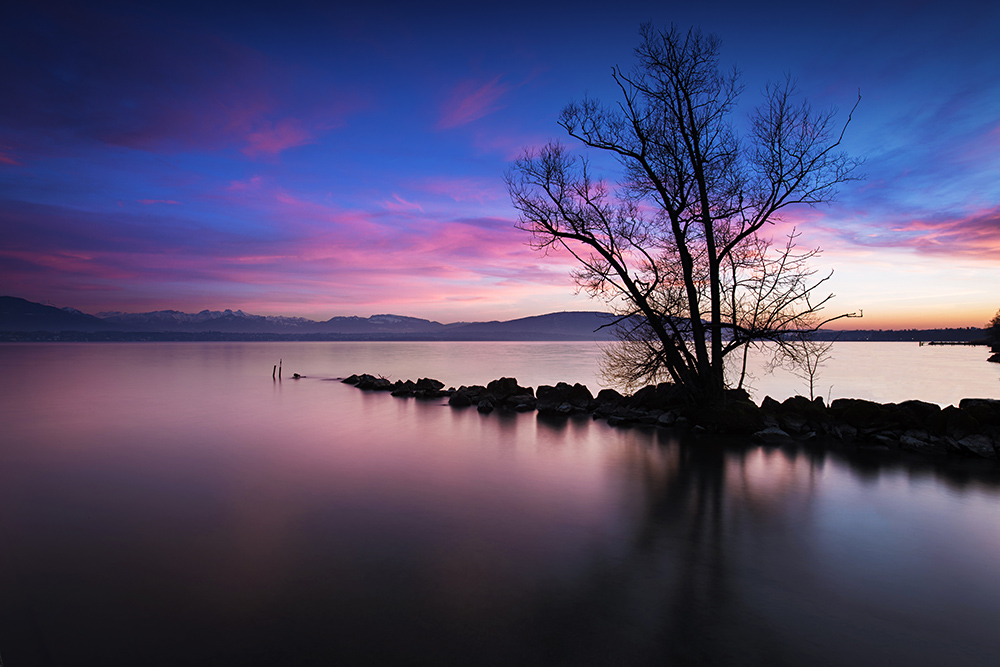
(314, 159)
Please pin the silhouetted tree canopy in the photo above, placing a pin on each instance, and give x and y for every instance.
(676, 247)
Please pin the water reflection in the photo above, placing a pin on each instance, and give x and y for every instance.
(723, 567)
(199, 513)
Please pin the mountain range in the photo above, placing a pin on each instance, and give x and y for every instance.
(22, 316)
(22, 320)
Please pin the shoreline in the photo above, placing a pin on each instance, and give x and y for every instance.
(969, 431)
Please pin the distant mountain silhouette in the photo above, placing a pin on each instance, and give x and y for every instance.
(575, 325)
(23, 315)
(20, 318)
(19, 315)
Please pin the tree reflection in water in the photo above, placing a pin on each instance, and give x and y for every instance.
(722, 567)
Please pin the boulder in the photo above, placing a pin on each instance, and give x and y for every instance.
(520, 402)
(771, 435)
(978, 445)
(606, 402)
(668, 418)
(505, 387)
(983, 410)
(920, 442)
(770, 405)
(428, 384)
(460, 398)
(953, 422)
(737, 417)
(372, 383)
(861, 414)
(552, 399)
(400, 388)
(663, 396)
(486, 405)
(915, 414)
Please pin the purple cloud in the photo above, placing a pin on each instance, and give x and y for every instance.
(471, 101)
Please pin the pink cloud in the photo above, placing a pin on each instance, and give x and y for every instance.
(5, 157)
(272, 138)
(973, 235)
(480, 191)
(251, 183)
(348, 261)
(470, 102)
(401, 204)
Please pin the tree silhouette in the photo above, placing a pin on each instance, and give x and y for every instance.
(676, 249)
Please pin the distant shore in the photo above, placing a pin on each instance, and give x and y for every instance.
(924, 336)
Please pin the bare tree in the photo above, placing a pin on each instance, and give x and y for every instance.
(676, 249)
(803, 357)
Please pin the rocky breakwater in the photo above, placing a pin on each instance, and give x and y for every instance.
(422, 388)
(971, 430)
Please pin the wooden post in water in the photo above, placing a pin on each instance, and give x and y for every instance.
(274, 370)
(279, 369)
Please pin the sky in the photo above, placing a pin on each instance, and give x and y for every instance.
(318, 159)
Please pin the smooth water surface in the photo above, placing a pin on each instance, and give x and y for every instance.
(171, 504)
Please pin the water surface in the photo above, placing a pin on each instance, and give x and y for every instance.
(171, 504)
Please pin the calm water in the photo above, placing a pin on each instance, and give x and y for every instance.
(170, 504)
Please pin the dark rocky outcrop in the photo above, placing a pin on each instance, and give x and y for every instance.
(970, 430)
(563, 399)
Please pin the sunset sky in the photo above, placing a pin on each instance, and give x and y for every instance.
(315, 159)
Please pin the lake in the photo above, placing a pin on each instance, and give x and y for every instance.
(169, 503)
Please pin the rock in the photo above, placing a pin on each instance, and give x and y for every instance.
(983, 410)
(770, 405)
(794, 423)
(979, 445)
(920, 442)
(738, 395)
(668, 418)
(771, 435)
(372, 383)
(552, 399)
(428, 384)
(608, 396)
(505, 387)
(401, 388)
(580, 396)
(353, 379)
(520, 402)
(887, 440)
(485, 406)
(737, 417)
(606, 402)
(460, 398)
(841, 431)
(953, 422)
(663, 396)
(919, 410)
(861, 414)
